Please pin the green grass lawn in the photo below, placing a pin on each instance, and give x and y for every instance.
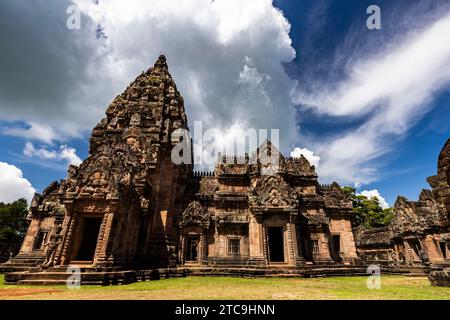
(392, 287)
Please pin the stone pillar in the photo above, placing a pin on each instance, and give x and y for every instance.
(409, 255)
(255, 234)
(295, 258)
(431, 248)
(182, 249)
(101, 250)
(264, 244)
(202, 256)
(68, 242)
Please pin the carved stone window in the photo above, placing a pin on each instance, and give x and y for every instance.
(40, 240)
(234, 246)
(315, 246)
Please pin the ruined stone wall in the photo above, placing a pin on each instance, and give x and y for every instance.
(419, 229)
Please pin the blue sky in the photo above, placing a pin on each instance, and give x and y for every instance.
(236, 64)
(318, 30)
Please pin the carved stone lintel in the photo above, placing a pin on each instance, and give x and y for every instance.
(195, 214)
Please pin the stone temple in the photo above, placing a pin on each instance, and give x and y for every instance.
(129, 213)
(418, 238)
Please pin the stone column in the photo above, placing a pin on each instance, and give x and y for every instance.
(264, 244)
(182, 249)
(255, 240)
(68, 242)
(202, 258)
(101, 250)
(295, 258)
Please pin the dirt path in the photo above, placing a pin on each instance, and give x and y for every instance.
(20, 292)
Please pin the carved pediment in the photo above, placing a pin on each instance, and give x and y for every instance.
(209, 185)
(418, 216)
(299, 166)
(335, 197)
(270, 192)
(196, 215)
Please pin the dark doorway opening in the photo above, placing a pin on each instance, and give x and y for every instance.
(337, 247)
(276, 244)
(337, 243)
(192, 249)
(415, 246)
(89, 240)
(443, 246)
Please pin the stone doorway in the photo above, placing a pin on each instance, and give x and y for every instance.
(91, 228)
(337, 247)
(192, 249)
(415, 248)
(276, 244)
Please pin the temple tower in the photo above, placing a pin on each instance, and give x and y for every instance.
(117, 207)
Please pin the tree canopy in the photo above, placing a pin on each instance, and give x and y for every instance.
(368, 211)
(13, 226)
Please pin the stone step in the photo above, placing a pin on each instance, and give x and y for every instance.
(94, 278)
(42, 282)
(4, 269)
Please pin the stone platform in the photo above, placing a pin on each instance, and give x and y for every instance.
(440, 278)
(92, 276)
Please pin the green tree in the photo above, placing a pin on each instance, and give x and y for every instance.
(368, 212)
(13, 226)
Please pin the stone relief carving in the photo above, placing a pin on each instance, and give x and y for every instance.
(418, 216)
(51, 246)
(270, 191)
(195, 214)
(299, 166)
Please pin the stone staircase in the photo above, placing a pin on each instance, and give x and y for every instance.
(416, 271)
(96, 276)
(21, 263)
(90, 276)
(278, 271)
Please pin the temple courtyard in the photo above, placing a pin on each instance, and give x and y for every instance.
(210, 288)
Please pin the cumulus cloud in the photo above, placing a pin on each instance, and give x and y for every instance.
(51, 90)
(64, 153)
(32, 131)
(69, 154)
(13, 185)
(375, 194)
(389, 91)
(226, 57)
(308, 154)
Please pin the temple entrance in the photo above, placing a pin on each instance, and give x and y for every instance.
(276, 244)
(415, 248)
(88, 244)
(337, 247)
(192, 249)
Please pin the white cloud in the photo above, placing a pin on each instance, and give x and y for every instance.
(308, 154)
(250, 75)
(375, 194)
(13, 185)
(70, 155)
(390, 91)
(42, 153)
(51, 90)
(33, 131)
(64, 153)
(226, 57)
